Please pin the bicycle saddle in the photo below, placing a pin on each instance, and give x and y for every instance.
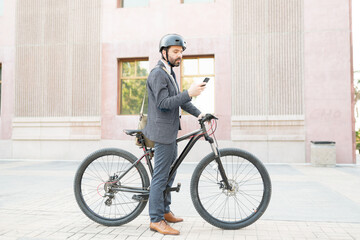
(132, 132)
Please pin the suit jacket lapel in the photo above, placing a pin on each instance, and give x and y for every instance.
(172, 80)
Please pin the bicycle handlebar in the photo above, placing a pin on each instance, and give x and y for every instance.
(206, 118)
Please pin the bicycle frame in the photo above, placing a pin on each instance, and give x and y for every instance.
(124, 186)
(148, 153)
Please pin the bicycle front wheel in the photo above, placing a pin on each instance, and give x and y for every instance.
(100, 196)
(249, 195)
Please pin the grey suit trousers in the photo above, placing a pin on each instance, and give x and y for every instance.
(159, 204)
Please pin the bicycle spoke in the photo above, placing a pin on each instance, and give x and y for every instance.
(211, 176)
(238, 206)
(95, 175)
(99, 187)
(212, 198)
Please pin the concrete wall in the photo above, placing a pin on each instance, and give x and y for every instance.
(268, 79)
(204, 33)
(282, 74)
(7, 60)
(328, 76)
(52, 96)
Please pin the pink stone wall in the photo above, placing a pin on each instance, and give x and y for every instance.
(207, 27)
(328, 76)
(7, 60)
(135, 33)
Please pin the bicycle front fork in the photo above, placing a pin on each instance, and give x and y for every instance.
(220, 166)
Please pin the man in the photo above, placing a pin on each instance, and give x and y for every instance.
(163, 123)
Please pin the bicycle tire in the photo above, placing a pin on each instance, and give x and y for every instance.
(234, 209)
(89, 187)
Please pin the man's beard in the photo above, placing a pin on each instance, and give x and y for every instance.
(174, 62)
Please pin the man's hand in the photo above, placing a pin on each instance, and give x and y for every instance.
(201, 115)
(196, 89)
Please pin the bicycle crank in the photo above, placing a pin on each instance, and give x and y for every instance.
(140, 197)
(176, 189)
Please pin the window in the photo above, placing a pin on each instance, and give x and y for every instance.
(132, 85)
(195, 69)
(197, 1)
(132, 3)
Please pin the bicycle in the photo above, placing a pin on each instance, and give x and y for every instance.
(230, 188)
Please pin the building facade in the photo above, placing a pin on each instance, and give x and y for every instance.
(73, 74)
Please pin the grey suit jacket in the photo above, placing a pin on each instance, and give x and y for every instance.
(163, 120)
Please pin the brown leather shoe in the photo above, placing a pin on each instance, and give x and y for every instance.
(163, 227)
(171, 218)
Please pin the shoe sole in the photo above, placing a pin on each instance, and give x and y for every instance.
(174, 222)
(154, 230)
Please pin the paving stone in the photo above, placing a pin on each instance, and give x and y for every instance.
(45, 214)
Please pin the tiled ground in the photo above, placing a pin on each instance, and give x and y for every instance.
(37, 202)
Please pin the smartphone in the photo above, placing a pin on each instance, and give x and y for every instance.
(205, 81)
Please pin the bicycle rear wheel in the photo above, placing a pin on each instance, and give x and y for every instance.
(244, 203)
(97, 193)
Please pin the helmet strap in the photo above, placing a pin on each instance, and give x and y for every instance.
(167, 58)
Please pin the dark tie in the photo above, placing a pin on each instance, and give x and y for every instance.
(173, 74)
(178, 91)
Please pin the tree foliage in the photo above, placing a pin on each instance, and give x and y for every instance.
(133, 88)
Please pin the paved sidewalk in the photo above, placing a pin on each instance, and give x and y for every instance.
(37, 202)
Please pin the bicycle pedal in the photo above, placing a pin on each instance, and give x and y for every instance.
(140, 197)
(178, 187)
(174, 189)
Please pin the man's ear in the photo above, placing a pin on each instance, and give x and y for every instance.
(163, 52)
